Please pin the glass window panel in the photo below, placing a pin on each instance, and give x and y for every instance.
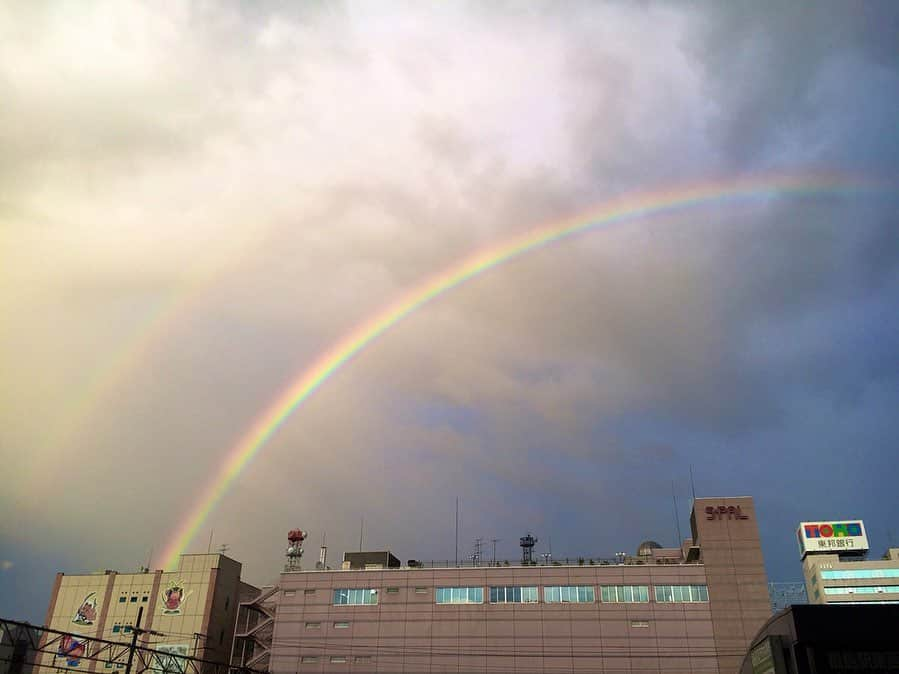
(605, 594)
(627, 593)
(591, 594)
(703, 593)
(644, 593)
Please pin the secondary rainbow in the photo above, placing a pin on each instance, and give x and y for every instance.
(627, 208)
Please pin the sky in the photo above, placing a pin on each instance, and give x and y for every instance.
(196, 202)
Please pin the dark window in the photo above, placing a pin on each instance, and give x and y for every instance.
(134, 599)
(116, 628)
(222, 637)
(121, 600)
(127, 629)
(144, 599)
(390, 590)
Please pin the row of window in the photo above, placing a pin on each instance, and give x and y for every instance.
(122, 600)
(513, 595)
(337, 658)
(859, 574)
(558, 594)
(866, 589)
(355, 597)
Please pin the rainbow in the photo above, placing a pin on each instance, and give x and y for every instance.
(623, 209)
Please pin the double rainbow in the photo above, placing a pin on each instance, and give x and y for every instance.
(620, 210)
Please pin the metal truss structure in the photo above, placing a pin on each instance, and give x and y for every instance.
(40, 649)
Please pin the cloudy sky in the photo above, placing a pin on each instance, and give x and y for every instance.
(195, 203)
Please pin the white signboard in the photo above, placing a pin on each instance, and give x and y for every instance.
(832, 536)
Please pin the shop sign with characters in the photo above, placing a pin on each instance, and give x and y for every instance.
(839, 536)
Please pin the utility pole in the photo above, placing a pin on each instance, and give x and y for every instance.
(134, 635)
(136, 632)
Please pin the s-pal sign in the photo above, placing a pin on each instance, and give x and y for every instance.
(839, 536)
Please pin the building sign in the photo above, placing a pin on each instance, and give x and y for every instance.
(762, 657)
(723, 512)
(838, 536)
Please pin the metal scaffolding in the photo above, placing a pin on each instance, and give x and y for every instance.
(40, 649)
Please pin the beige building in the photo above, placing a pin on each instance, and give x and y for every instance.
(832, 579)
(194, 610)
(693, 609)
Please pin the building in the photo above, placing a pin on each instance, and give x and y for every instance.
(814, 639)
(193, 609)
(693, 609)
(837, 569)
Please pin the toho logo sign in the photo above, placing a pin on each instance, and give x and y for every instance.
(828, 529)
(838, 536)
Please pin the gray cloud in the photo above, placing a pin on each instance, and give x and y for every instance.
(264, 178)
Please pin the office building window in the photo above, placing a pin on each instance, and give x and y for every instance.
(624, 594)
(513, 595)
(393, 590)
(867, 589)
(341, 625)
(363, 658)
(421, 590)
(308, 592)
(338, 658)
(309, 658)
(460, 595)
(289, 593)
(144, 599)
(116, 628)
(356, 597)
(681, 593)
(639, 623)
(313, 626)
(859, 574)
(569, 594)
(134, 599)
(122, 600)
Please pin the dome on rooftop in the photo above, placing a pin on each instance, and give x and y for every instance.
(646, 548)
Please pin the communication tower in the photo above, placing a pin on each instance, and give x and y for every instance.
(295, 538)
(527, 544)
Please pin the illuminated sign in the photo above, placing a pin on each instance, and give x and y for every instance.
(837, 536)
(724, 513)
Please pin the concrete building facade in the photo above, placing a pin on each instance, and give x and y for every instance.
(689, 610)
(194, 608)
(834, 579)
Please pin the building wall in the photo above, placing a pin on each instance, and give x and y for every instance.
(210, 590)
(407, 631)
(726, 531)
(815, 583)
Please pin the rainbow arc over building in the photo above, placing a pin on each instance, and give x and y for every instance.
(628, 208)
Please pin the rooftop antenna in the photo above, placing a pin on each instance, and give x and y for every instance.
(457, 531)
(209, 547)
(494, 541)
(527, 549)
(295, 538)
(680, 541)
(476, 557)
(692, 486)
(322, 554)
(223, 548)
(361, 531)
